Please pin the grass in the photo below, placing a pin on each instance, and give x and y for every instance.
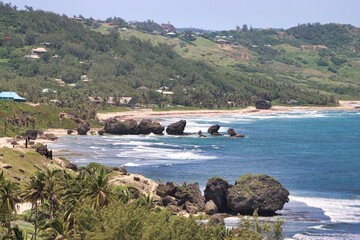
(45, 117)
(23, 163)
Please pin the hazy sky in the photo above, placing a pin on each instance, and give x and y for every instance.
(209, 14)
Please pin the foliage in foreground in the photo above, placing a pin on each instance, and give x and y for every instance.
(87, 206)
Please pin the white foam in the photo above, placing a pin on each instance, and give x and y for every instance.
(336, 236)
(338, 210)
(131, 164)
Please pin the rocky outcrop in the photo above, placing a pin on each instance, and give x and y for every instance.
(131, 126)
(30, 134)
(263, 104)
(147, 126)
(260, 192)
(176, 128)
(113, 126)
(83, 128)
(232, 133)
(216, 190)
(187, 197)
(214, 130)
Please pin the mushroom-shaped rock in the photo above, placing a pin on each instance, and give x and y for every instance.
(147, 126)
(83, 128)
(176, 128)
(232, 133)
(216, 190)
(263, 104)
(214, 130)
(113, 126)
(31, 134)
(260, 192)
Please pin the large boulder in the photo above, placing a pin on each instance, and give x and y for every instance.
(83, 128)
(31, 134)
(216, 190)
(210, 208)
(214, 130)
(132, 126)
(232, 133)
(176, 128)
(113, 126)
(263, 104)
(147, 126)
(189, 196)
(256, 192)
(169, 188)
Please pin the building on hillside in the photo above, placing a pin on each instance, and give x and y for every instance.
(167, 27)
(95, 99)
(12, 96)
(223, 41)
(126, 102)
(171, 34)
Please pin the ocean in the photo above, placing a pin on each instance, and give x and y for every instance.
(314, 154)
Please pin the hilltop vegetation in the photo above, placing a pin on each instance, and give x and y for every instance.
(198, 70)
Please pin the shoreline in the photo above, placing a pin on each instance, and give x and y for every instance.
(140, 114)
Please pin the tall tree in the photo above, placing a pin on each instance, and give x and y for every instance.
(9, 197)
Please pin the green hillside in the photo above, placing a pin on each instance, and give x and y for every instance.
(118, 58)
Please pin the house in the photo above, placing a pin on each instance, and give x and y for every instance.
(223, 41)
(171, 34)
(168, 27)
(11, 96)
(95, 99)
(165, 93)
(38, 51)
(111, 101)
(127, 102)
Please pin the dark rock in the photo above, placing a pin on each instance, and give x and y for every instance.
(121, 170)
(7, 166)
(136, 179)
(169, 188)
(50, 136)
(232, 133)
(147, 126)
(210, 208)
(71, 166)
(83, 128)
(113, 126)
(191, 208)
(69, 131)
(22, 155)
(132, 126)
(214, 130)
(216, 190)
(263, 104)
(260, 192)
(101, 132)
(188, 196)
(168, 200)
(216, 220)
(31, 134)
(176, 128)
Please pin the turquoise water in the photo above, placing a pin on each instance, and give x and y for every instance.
(315, 155)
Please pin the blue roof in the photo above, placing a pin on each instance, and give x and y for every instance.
(11, 95)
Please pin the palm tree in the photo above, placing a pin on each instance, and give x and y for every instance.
(52, 191)
(35, 194)
(8, 199)
(99, 189)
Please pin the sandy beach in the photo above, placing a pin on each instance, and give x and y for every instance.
(139, 114)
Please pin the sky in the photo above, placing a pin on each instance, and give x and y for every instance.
(209, 14)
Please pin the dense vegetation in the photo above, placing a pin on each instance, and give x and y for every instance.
(65, 205)
(118, 62)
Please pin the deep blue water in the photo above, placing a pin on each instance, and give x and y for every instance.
(315, 155)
